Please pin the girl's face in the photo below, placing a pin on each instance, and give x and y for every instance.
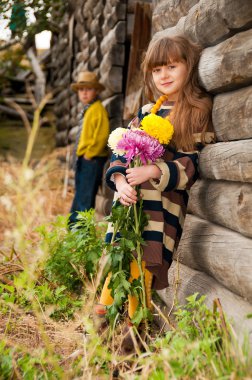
(86, 95)
(169, 79)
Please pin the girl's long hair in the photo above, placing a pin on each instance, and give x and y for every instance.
(192, 110)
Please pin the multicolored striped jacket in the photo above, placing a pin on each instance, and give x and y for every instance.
(165, 201)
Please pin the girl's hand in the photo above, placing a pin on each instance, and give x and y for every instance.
(127, 195)
(136, 176)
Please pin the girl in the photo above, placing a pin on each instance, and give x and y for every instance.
(170, 78)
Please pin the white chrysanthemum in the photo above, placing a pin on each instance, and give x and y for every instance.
(113, 140)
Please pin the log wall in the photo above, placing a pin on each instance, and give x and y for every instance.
(92, 37)
(214, 257)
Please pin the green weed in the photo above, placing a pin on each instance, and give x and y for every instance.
(74, 255)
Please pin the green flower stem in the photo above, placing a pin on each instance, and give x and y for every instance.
(139, 256)
(137, 163)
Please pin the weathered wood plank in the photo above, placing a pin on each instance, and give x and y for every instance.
(209, 21)
(192, 281)
(231, 161)
(228, 65)
(231, 110)
(140, 38)
(219, 252)
(226, 203)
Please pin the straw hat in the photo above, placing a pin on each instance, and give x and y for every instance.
(87, 79)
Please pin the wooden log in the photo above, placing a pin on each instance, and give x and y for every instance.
(78, 15)
(212, 21)
(167, 13)
(219, 252)
(84, 41)
(61, 138)
(72, 134)
(226, 203)
(10, 111)
(62, 95)
(95, 27)
(230, 110)
(115, 122)
(94, 43)
(227, 66)
(231, 161)
(114, 57)
(209, 21)
(114, 105)
(98, 9)
(88, 7)
(63, 122)
(95, 58)
(190, 281)
(115, 36)
(102, 205)
(118, 12)
(112, 79)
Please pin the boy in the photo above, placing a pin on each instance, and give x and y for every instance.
(91, 142)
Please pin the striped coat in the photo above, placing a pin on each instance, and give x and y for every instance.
(165, 201)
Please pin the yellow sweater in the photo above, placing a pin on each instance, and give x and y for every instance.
(95, 131)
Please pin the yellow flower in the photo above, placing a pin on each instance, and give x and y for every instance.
(113, 140)
(157, 127)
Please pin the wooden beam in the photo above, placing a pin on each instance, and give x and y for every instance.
(185, 281)
(209, 21)
(228, 65)
(168, 12)
(219, 252)
(231, 161)
(226, 203)
(231, 110)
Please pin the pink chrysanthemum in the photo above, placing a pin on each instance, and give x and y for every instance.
(136, 143)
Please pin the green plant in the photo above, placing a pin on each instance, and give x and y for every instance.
(74, 254)
(17, 363)
(120, 252)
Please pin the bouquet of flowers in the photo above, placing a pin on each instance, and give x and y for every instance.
(140, 146)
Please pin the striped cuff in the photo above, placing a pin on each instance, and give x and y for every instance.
(165, 176)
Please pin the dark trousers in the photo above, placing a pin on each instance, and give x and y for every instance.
(88, 177)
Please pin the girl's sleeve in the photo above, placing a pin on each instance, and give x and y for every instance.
(117, 166)
(180, 173)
